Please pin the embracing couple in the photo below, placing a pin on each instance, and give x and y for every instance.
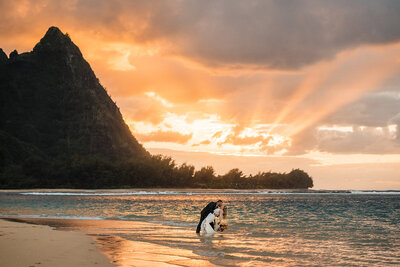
(209, 214)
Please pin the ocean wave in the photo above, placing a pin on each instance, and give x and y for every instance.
(390, 192)
(174, 223)
(147, 219)
(45, 216)
(98, 194)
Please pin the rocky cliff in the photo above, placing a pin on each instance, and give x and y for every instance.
(52, 105)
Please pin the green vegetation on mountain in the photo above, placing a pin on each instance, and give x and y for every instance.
(60, 129)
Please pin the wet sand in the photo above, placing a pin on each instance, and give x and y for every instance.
(23, 244)
(135, 253)
(61, 242)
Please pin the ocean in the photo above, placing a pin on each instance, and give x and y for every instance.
(265, 227)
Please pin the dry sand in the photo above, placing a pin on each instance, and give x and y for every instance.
(27, 245)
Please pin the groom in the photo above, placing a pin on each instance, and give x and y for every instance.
(207, 210)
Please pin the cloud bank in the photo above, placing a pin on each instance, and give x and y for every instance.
(239, 77)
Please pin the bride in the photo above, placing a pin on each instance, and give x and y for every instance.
(209, 224)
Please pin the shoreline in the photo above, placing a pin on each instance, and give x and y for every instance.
(178, 190)
(65, 242)
(194, 191)
(148, 189)
(25, 244)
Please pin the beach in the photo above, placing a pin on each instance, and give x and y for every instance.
(157, 228)
(23, 244)
(32, 242)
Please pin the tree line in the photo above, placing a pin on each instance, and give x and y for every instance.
(94, 172)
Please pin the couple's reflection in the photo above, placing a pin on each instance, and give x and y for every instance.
(210, 245)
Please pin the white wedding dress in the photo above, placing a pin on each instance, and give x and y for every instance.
(205, 225)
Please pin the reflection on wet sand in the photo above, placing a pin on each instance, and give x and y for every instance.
(135, 253)
(160, 249)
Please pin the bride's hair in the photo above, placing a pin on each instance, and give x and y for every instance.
(225, 212)
(217, 212)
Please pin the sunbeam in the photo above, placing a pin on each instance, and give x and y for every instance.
(371, 68)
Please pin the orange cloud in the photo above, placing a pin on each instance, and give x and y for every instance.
(247, 140)
(164, 136)
(209, 84)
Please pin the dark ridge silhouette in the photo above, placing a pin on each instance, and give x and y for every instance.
(60, 128)
(3, 57)
(52, 100)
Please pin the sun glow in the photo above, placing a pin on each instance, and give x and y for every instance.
(163, 101)
(210, 134)
(336, 128)
(278, 140)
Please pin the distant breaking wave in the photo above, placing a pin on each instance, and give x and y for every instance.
(100, 194)
(269, 192)
(46, 216)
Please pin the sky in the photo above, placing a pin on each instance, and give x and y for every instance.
(254, 85)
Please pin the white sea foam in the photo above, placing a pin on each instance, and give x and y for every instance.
(45, 216)
(393, 192)
(86, 193)
(174, 223)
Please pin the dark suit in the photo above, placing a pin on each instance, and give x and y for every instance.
(207, 210)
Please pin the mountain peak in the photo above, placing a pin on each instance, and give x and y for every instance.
(54, 32)
(55, 40)
(54, 102)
